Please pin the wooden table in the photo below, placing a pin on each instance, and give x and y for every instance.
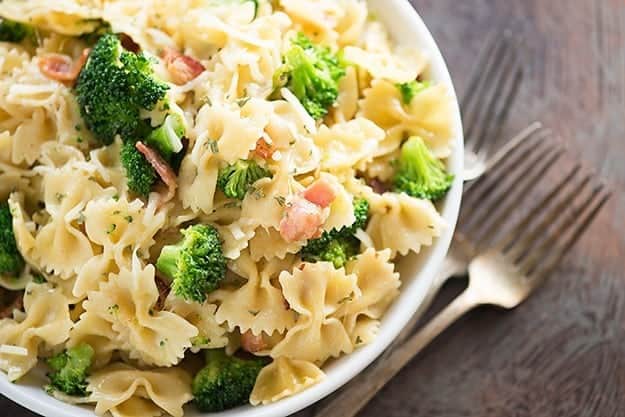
(562, 353)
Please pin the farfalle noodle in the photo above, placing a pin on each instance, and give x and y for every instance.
(128, 301)
(46, 324)
(282, 378)
(315, 291)
(125, 391)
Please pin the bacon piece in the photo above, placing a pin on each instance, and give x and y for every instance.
(164, 287)
(11, 300)
(320, 193)
(61, 67)
(380, 187)
(162, 168)
(252, 343)
(263, 149)
(302, 220)
(182, 68)
(128, 43)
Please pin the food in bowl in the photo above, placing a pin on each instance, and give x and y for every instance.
(205, 200)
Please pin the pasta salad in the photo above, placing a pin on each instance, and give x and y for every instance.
(203, 201)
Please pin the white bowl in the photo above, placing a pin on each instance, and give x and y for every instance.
(417, 272)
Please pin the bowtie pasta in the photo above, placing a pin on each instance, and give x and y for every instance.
(204, 200)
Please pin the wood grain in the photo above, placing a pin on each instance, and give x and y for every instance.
(563, 352)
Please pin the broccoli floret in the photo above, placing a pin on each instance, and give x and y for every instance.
(312, 73)
(338, 250)
(410, 89)
(419, 173)
(11, 261)
(70, 370)
(140, 174)
(196, 264)
(167, 138)
(12, 31)
(235, 180)
(226, 382)
(338, 246)
(114, 87)
(361, 212)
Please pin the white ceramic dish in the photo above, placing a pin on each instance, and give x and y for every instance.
(417, 273)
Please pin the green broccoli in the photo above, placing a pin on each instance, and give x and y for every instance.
(361, 212)
(312, 73)
(410, 89)
(114, 87)
(196, 264)
(419, 173)
(235, 180)
(167, 138)
(337, 251)
(11, 261)
(12, 31)
(226, 382)
(140, 174)
(70, 370)
(338, 246)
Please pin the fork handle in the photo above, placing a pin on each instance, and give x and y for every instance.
(348, 403)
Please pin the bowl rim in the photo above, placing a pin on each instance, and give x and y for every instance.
(402, 14)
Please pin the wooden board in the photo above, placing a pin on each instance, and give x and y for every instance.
(563, 352)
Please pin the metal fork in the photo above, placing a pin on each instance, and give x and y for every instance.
(490, 204)
(497, 77)
(488, 99)
(509, 272)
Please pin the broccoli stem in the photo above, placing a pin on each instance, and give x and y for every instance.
(167, 262)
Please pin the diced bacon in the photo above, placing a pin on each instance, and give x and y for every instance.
(182, 68)
(263, 149)
(128, 43)
(252, 343)
(302, 221)
(164, 288)
(60, 67)
(11, 300)
(320, 193)
(378, 186)
(162, 168)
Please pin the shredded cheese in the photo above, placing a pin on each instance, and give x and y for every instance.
(307, 120)
(13, 350)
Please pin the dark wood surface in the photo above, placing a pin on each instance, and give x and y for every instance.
(562, 353)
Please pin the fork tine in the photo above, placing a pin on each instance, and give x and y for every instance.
(538, 208)
(524, 242)
(490, 197)
(479, 76)
(494, 129)
(532, 145)
(508, 198)
(579, 224)
(502, 96)
(507, 150)
(488, 69)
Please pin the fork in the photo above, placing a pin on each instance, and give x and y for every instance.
(499, 64)
(505, 272)
(487, 101)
